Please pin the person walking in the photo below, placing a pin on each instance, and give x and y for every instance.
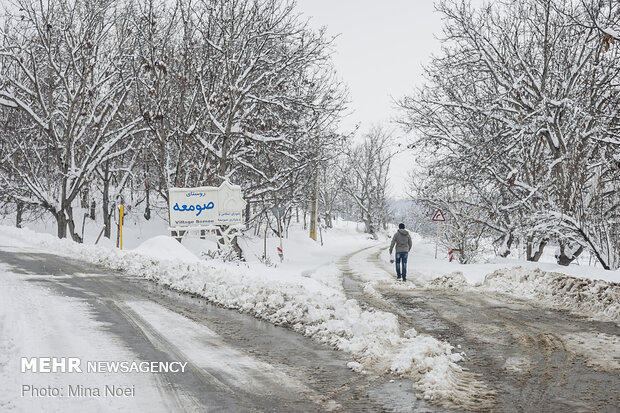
(402, 241)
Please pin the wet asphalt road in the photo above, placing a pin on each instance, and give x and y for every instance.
(522, 357)
(318, 374)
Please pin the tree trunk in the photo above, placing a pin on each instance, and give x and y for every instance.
(93, 210)
(507, 241)
(147, 209)
(563, 257)
(462, 251)
(71, 224)
(18, 217)
(107, 215)
(288, 224)
(368, 218)
(368, 225)
(61, 221)
(84, 198)
(328, 220)
(224, 238)
(535, 256)
(235, 246)
(118, 232)
(595, 250)
(305, 219)
(314, 211)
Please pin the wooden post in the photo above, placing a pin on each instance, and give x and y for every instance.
(100, 234)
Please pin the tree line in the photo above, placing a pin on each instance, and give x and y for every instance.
(518, 127)
(114, 101)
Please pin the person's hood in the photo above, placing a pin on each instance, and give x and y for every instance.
(402, 231)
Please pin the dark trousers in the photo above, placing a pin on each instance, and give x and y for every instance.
(401, 257)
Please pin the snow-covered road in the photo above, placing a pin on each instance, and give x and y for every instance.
(520, 356)
(54, 306)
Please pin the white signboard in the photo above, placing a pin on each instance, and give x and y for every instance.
(206, 206)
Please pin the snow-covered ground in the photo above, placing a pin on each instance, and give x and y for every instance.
(37, 323)
(426, 267)
(305, 292)
(587, 290)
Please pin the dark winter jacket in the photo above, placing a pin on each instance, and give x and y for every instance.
(402, 240)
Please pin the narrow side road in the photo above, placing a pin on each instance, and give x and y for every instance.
(530, 358)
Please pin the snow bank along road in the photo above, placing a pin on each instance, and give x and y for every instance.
(235, 362)
(523, 356)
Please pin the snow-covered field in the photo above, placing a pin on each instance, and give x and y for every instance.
(305, 292)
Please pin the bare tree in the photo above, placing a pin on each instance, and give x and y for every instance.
(365, 176)
(62, 68)
(522, 108)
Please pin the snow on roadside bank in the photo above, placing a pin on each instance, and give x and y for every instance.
(597, 298)
(311, 302)
(583, 290)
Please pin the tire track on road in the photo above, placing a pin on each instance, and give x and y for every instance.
(514, 346)
(469, 392)
(331, 385)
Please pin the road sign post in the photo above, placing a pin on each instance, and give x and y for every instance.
(438, 216)
(206, 208)
(279, 213)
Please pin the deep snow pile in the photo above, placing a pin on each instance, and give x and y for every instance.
(596, 298)
(163, 246)
(311, 302)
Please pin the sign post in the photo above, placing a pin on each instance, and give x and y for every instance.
(278, 212)
(438, 217)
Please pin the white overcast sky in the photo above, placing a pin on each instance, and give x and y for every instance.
(379, 53)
